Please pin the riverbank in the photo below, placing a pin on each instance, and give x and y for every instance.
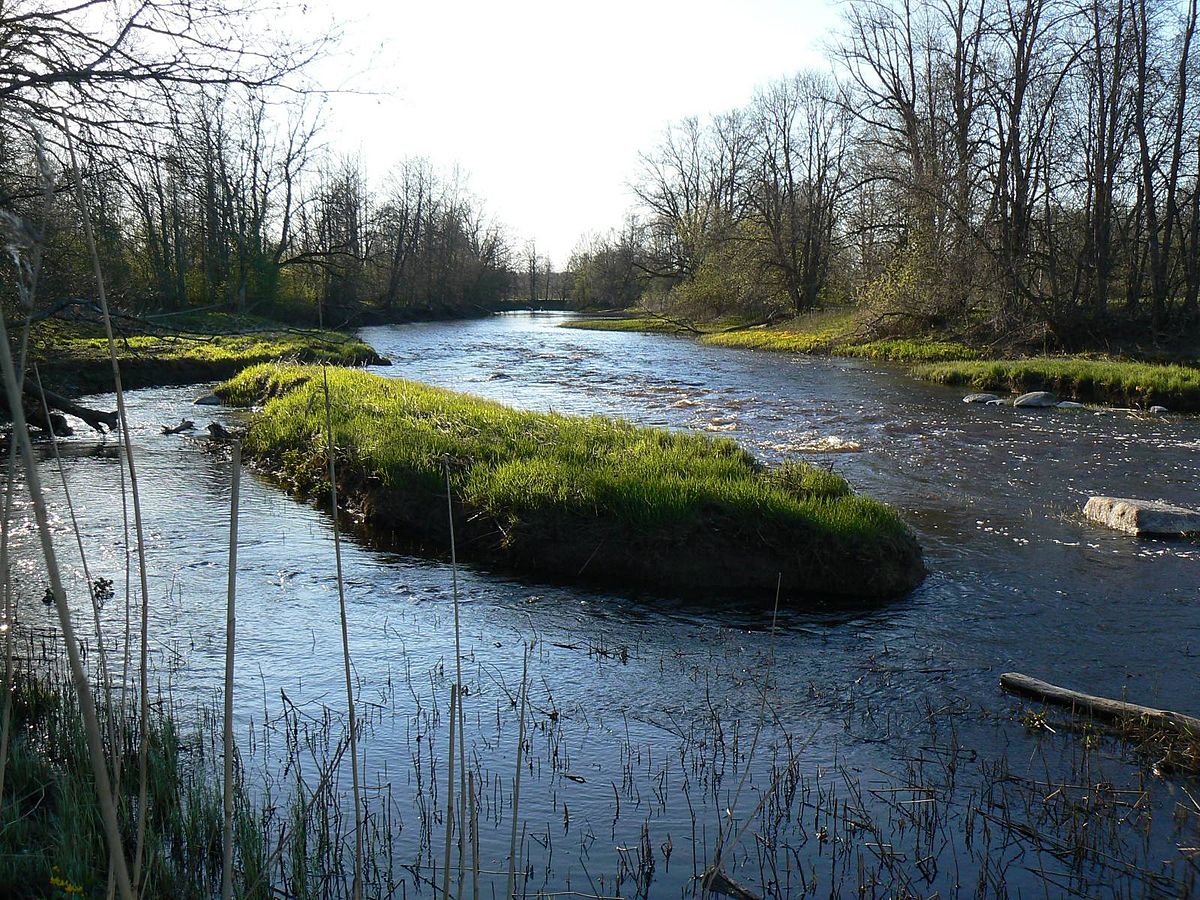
(580, 499)
(1086, 378)
(73, 357)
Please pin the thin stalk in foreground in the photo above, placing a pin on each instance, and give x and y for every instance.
(9, 620)
(123, 418)
(516, 803)
(356, 890)
(462, 762)
(450, 792)
(108, 810)
(106, 680)
(230, 630)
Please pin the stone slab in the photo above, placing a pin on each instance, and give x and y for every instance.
(1036, 400)
(1143, 516)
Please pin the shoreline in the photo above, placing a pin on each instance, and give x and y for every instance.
(73, 357)
(1118, 382)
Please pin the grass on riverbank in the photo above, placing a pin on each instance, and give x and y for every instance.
(1110, 381)
(827, 333)
(568, 496)
(837, 333)
(51, 840)
(185, 349)
(292, 834)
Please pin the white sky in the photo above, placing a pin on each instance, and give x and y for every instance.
(547, 104)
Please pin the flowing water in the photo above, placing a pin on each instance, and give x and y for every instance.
(889, 755)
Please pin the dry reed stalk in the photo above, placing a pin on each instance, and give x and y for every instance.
(450, 792)
(462, 763)
(474, 838)
(762, 716)
(356, 889)
(230, 631)
(108, 810)
(9, 620)
(106, 681)
(123, 419)
(516, 804)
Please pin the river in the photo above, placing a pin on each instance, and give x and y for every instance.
(888, 747)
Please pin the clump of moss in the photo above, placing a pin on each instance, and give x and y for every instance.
(569, 496)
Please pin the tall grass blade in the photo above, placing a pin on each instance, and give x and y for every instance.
(516, 801)
(230, 633)
(356, 890)
(78, 674)
(450, 792)
(123, 419)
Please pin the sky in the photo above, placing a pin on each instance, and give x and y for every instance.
(547, 105)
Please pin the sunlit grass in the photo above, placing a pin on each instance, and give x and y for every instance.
(526, 470)
(196, 347)
(1103, 380)
(645, 324)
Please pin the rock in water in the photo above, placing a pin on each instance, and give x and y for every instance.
(1158, 410)
(219, 432)
(980, 398)
(1036, 399)
(207, 400)
(1143, 516)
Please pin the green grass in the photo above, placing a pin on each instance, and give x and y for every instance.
(633, 323)
(191, 348)
(51, 839)
(831, 333)
(1101, 380)
(909, 350)
(524, 478)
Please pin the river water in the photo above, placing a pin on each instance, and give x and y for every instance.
(889, 757)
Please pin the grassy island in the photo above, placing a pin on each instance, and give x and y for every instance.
(182, 349)
(591, 499)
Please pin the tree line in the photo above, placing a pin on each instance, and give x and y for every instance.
(204, 171)
(1026, 170)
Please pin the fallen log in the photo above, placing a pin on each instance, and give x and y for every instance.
(1099, 707)
(97, 419)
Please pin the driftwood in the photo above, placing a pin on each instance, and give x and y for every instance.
(98, 420)
(35, 416)
(1099, 707)
(184, 425)
(715, 881)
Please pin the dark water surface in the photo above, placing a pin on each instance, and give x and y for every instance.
(652, 705)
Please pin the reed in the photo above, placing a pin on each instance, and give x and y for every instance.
(235, 474)
(350, 705)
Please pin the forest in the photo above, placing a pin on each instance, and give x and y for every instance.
(1020, 174)
(1015, 174)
